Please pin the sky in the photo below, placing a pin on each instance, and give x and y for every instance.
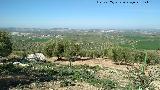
(79, 14)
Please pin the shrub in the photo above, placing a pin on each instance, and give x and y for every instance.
(108, 52)
(139, 56)
(122, 55)
(153, 58)
(138, 77)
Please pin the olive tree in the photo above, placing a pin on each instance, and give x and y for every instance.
(72, 50)
(5, 44)
(62, 48)
(55, 48)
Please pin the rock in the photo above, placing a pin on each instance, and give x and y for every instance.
(16, 63)
(20, 64)
(36, 57)
(50, 89)
(23, 65)
(33, 85)
(155, 85)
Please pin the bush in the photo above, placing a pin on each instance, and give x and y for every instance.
(108, 52)
(125, 55)
(139, 56)
(153, 58)
(10, 69)
(117, 55)
(122, 55)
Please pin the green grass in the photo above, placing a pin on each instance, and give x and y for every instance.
(147, 42)
(148, 45)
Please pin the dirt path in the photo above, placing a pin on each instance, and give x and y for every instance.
(94, 62)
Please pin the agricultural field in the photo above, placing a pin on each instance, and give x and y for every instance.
(143, 41)
(131, 39)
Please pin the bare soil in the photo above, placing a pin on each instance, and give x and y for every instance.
(93, 62)
(110, 70)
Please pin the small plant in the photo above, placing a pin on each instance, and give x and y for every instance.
(67, 82)
(138, 77)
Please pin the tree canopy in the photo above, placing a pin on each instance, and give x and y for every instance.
(60, 48)
(5, 44)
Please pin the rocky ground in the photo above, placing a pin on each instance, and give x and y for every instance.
(108, 70)
(56, 86)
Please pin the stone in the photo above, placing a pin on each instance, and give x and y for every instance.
(36, 57)
(16, 63)
(156, 85)
(20, 64)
